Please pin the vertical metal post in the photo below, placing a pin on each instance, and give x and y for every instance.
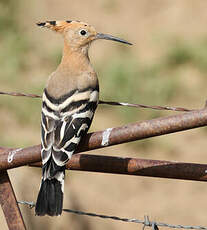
(9, 204)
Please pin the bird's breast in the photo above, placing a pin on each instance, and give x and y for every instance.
(63, 82)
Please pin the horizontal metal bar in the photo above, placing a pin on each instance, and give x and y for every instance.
(10, 158)
(137, 167)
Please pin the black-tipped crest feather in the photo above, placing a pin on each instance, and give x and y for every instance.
(42, 24)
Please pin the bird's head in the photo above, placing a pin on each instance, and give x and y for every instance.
(78, 34)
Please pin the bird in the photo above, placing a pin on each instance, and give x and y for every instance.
(69, 101)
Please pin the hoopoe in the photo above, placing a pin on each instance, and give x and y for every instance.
(69, 102)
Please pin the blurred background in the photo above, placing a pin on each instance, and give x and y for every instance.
(167, 65)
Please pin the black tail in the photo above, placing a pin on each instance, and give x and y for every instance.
(50, 198)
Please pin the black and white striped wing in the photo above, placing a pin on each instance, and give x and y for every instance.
(64, 122)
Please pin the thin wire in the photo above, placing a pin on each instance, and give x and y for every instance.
(177, 109)
(20, 94)
(145, 222)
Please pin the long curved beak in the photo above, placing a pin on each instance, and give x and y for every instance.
(110, 37)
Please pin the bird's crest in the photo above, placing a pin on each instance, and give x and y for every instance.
(57, 26)
(87, 33)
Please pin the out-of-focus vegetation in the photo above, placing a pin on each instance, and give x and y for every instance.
(14, 44)
(124, 78)
(16, 65)
(159, 83)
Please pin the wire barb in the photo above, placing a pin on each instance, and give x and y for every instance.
(149, 223)
(145, 222)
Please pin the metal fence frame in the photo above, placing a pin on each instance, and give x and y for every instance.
(12, 158)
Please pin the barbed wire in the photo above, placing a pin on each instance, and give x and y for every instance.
(155, 107)
(114, 103)
(17, 94)
(146, 222)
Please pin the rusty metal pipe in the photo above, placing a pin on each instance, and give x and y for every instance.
(9, 204)
(127, 133)
(137, 167)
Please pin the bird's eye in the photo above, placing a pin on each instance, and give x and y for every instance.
(83, 32)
